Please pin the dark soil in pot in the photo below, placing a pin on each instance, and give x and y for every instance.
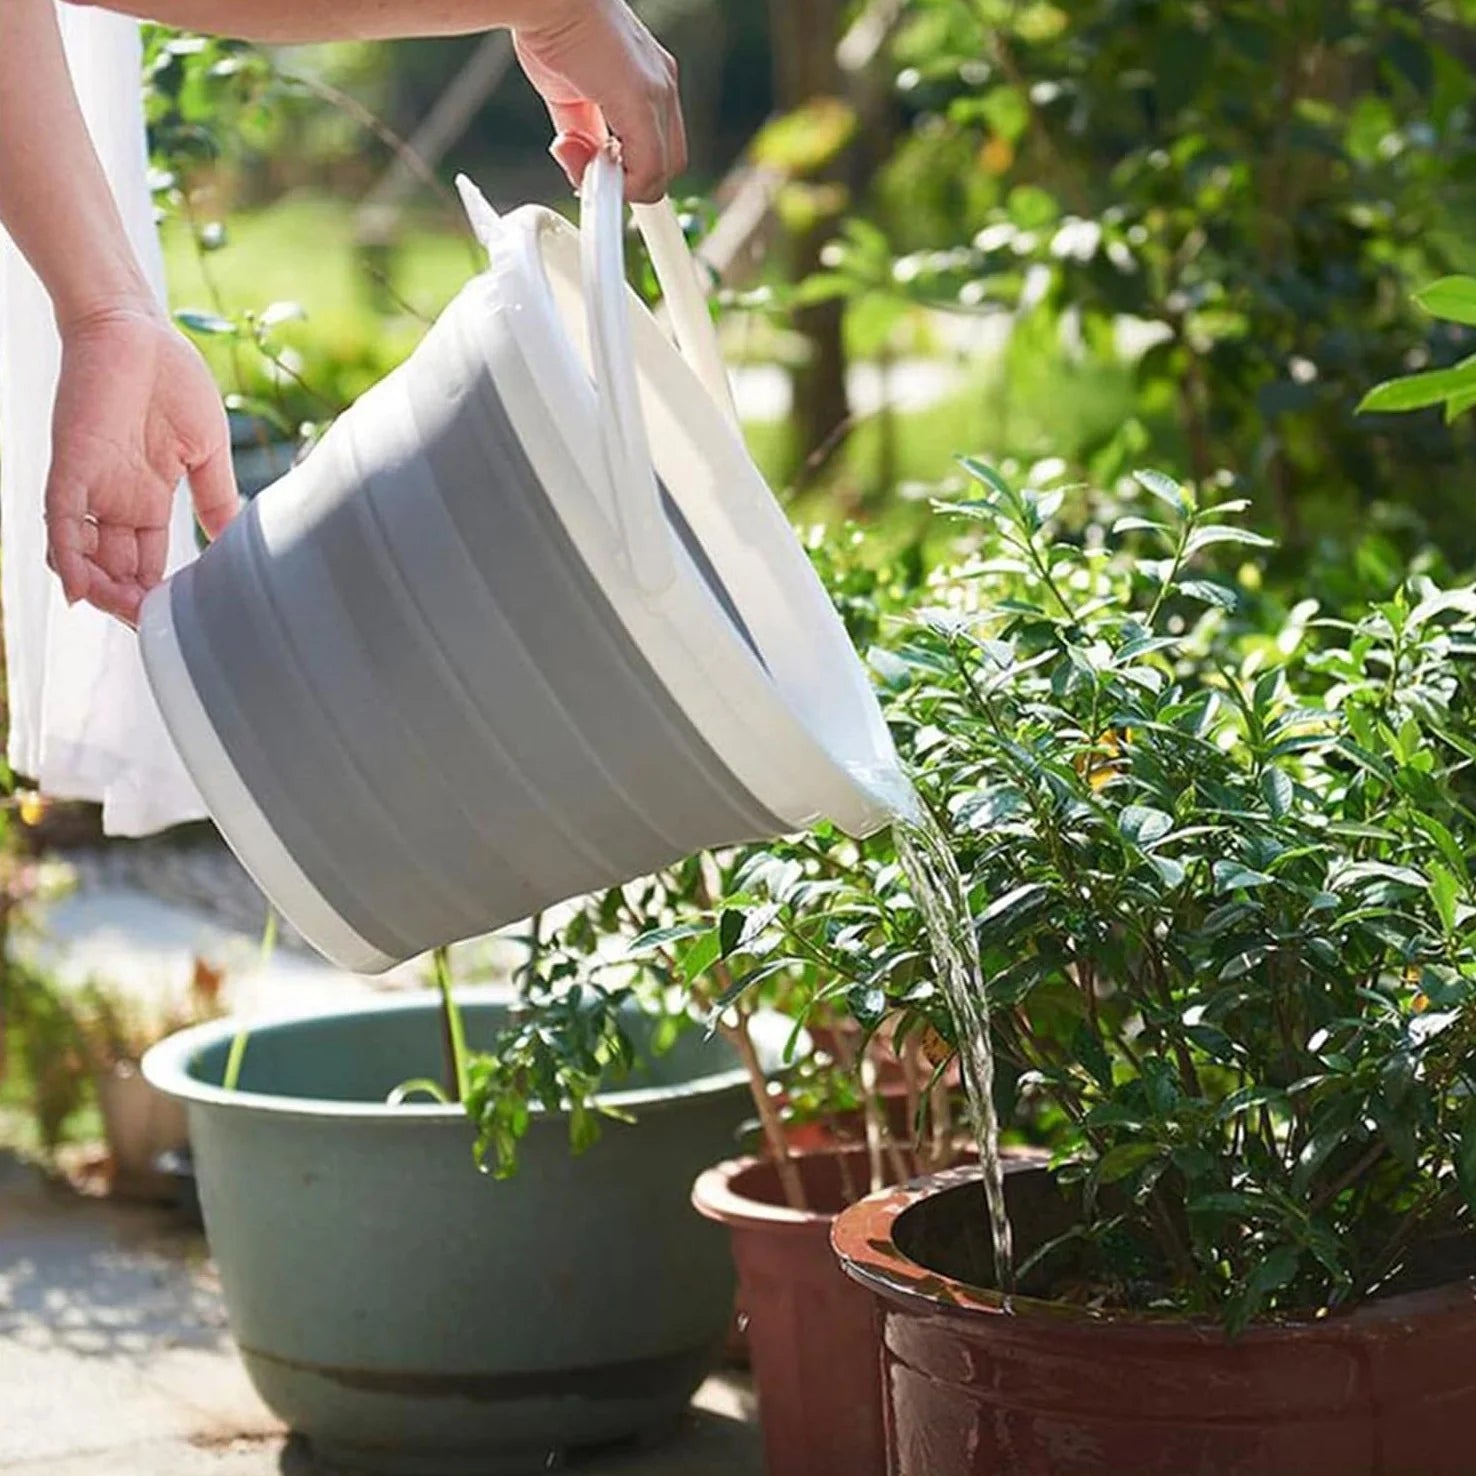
(1049, 1389)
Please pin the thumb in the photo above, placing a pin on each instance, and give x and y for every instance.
(213, 488)
(573, 153)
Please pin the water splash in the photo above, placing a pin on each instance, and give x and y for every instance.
(940, 895)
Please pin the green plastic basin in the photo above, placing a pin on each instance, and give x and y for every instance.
(407, 1313)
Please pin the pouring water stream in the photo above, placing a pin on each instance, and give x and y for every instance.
(938, 891)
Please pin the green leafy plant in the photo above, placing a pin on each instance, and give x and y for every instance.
(1222, 894)
(1256, 187)
(563, 1047)
(49, 1059)
(1451, 300)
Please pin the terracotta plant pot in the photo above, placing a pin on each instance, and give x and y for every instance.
(812, 1342)
(141, 1125)
(971, 1390)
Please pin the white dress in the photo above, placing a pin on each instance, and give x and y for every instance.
(82, 721)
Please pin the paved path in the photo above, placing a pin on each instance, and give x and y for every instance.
(115, 1358)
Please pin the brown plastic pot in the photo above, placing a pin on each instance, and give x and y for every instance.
(812, 1340)
(973, 1389)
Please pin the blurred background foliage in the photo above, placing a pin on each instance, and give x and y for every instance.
(1093, 232)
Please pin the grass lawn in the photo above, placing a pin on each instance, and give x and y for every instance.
(301, 249)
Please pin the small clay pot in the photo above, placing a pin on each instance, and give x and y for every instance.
(811, 1332)
(141, 1125)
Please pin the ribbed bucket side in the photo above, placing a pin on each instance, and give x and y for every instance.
(425, 691)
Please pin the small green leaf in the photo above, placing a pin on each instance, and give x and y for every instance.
(1278, 790)
(1169, 492)
(209, 325)
(700, 955)
(868, 1004)
(1418, 391)
(1202, 538)
(281, 312)
(981, 471)
(1273, 1271)
(1234, 876)
(730, 930)
(659, 938)
(1445, 988)
(1032, 893)
(1445, 891)
(1127, 1158)
(1142, 824)
(1451, 298)
(1208, 592)
(1224, 1202)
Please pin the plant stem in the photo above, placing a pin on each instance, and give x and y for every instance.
(452, 1030)
(871, 1117)
(940, 1114)
(913, 1076)
(847, 1178)
(758, 1085)
(238, 1042)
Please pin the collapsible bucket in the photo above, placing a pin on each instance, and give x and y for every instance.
(525, 624)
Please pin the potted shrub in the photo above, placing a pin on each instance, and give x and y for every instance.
(1224, 906)
(865, 1109)
(142, 1125)
(405, 1312)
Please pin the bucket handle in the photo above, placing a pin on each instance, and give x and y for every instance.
(626, 449)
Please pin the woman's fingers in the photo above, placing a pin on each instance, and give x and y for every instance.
(153, 555)
(647, 119)
(604, 67)
(213, 488)
(573, 153)
(579, 134)
(109, 566)
(71, 535)
(578, 118)
(113, 596)
(676, 127)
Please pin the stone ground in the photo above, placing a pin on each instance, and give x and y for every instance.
(115, 1355)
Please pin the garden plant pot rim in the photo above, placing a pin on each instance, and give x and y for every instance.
(714, 1197)
(167, 1066)
(862, 1238)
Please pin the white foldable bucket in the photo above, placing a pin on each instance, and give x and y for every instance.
(525, 624)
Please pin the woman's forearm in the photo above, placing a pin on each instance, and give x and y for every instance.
(54, 197)
(288, 22)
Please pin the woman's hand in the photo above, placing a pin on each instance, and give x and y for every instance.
(136, 410)
(597, 66)
(593, 61)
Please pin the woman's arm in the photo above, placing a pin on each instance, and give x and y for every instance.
(136, 409)
(54, 198)
(593, 61)
(289, 22)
